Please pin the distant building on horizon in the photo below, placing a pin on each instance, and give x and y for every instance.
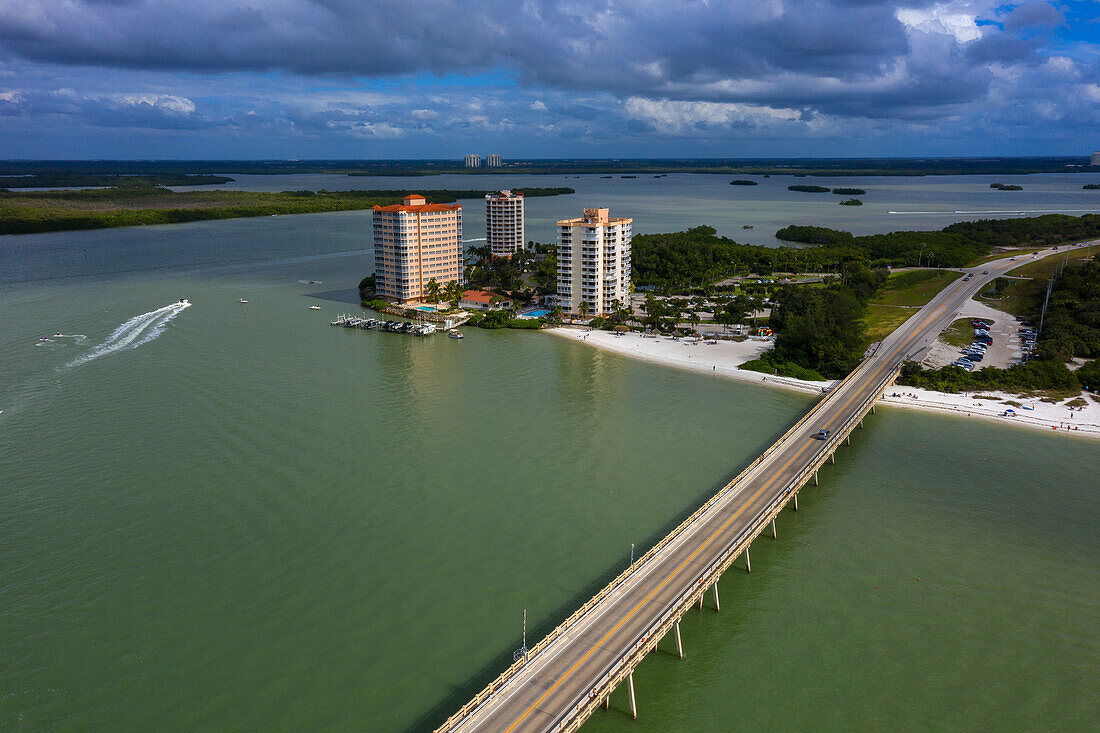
(473, 160)
(493, 161)
(504, 222)
(1095, 159)
(594, 262)
(415, 243)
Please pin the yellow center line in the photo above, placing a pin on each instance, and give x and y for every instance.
(775, 475)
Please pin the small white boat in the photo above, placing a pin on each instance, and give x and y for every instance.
(242, 300)
(453, 334)
(315, 307)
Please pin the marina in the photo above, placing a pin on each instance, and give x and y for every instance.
(368, 324)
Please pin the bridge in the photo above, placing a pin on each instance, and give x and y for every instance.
(558, 683)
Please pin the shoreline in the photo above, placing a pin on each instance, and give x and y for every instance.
(724, 358)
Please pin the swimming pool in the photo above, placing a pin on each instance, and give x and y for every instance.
(427, 308)
(537, 314)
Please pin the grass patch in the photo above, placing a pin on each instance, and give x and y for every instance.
(879, 321)
(913, 288)
(1044, 268)
(959, 333)
(765, 365)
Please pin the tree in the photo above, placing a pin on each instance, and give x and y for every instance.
(585, 309)
(432, 291)
(454, 293)
(556, 314)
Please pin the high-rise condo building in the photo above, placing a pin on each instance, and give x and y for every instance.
(473, 160)
(493, 161)
(1095, 158)
(504, 222)
(594, 262)
(415, 243)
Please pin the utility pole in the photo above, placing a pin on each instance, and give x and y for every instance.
(1050, 286)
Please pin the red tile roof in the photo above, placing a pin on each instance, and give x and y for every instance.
(420, 208)
(481, 296)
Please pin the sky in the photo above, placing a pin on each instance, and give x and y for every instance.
(370, 79)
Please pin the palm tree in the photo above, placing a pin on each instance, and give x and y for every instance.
(431, 291)
(454, 293)
(556, 314)
(585, 309)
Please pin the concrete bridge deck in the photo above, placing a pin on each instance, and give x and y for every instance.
(576, 667)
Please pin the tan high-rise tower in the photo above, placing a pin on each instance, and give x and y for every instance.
(594, 262)
(504, 222)
(415, 243)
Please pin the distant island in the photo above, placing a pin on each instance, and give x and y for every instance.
(1091, 187)
(1006, 187)
(851, 202)
(61, 180)
(808, 189)
(743, 182)
(135, 205)
(849, 191)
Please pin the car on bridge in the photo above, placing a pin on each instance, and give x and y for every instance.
(822, 434)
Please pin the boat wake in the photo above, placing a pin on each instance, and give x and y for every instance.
(135, 332)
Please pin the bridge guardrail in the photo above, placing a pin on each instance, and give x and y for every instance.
(487, 692)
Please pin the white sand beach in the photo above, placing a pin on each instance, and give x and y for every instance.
(724, 357)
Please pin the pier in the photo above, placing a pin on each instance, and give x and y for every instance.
(557, 684)
(348, 320)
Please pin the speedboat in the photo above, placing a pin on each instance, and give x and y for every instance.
(242, 300)
(453, 334)
(315, 307)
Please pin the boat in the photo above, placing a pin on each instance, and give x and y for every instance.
(242, 300)
(453, 334)
(315, 307)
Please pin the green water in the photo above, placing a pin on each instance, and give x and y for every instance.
(256, 521)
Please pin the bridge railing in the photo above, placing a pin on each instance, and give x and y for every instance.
(649, 639)
(489, 690)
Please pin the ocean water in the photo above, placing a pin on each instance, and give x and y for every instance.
(234, 516)
(682, 200)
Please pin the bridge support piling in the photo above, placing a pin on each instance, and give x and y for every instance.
(679, 644)
(861, 423)
(774, 535)
(701, 601)
(872, 409)
(748, 565)
(630, 696)
(815, 479)
(796, 495)
(607, 703)
(717, 605)
(848, 438)
(832, 457)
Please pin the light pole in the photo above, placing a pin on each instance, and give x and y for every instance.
(631, 554)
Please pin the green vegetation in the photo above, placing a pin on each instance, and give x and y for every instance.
(959, 333)
(1006, 187)
(769, 364)
(955, 245)
(808, 189)
(818, 328)
(132, 205)
(914, 287)
(501, 319)
(1071, 329)
(849, 191)
(58, 180)
(1050, 377)
(851, 202)
(894, 302)
(743, 182)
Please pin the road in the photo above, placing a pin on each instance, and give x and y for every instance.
(569, 671)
